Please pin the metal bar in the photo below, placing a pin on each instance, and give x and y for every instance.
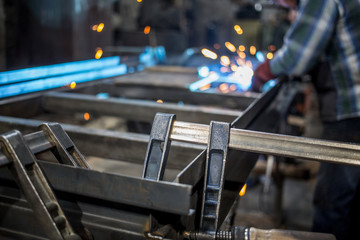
(28, 74)
(176, 94)
(158, 148)
(60, 81)
(274, 144)
(38, 142)
(130, 147)
(180, 80)
(65, 150)
(162, 196)
(132, 109)
(159, 196)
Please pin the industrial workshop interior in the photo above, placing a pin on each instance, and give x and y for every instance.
(179, 119)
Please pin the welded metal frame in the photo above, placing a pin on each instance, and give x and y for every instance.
(132, 109)
(238, 140)
(96, 190)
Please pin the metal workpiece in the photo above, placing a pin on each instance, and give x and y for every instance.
(274, 144)
(65, 150)
(130, 147)
(35, 187)
(216, 155)
(132, 109)
(161, 196)
(239, 101)
(115, 206)
(159, 146)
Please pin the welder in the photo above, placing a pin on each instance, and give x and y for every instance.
(329, 28)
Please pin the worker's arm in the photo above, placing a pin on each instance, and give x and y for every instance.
(307, 39)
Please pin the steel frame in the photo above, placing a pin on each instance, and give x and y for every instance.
(113, 206)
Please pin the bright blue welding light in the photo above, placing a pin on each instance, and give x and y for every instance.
(189, 52)
(57, 69)
(260, 56)
(202, 82)
(147, 58)
(102, 95)
(153, 55)
(59, 81)
(203, 71)
(268, 85)
(243, 77)
(160, 54)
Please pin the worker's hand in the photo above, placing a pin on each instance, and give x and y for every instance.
(262, 74)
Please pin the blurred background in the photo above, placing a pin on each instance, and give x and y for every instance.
(41, 32)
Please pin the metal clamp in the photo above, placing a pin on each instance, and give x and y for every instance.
(35, 187)
(155, 161)
(214, 175)
(65, 150)
(158, 147)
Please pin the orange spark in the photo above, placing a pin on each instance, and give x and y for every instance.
(86, 116)
(241, 48)
(99, 53)
(230, 46)
(272, 48)
(205, 87)
(209, 54)
(238, 29)
(100, 27)
(242, 191)
(72, 85)
(252, 50)
(242, 55)
(225, 60)
(147, 30)
(224, 88)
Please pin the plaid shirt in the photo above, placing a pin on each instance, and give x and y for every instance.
(331, 27)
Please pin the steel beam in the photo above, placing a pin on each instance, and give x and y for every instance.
(273, 144)
(132, 109)
(162, 196)
(239, 101)
(130, 147)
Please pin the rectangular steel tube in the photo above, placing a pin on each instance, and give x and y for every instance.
(274, 144)
(162, 196)
(133, 109)
(173, 94)
(130, 147)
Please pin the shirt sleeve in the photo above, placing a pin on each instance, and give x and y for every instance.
(307, 39)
